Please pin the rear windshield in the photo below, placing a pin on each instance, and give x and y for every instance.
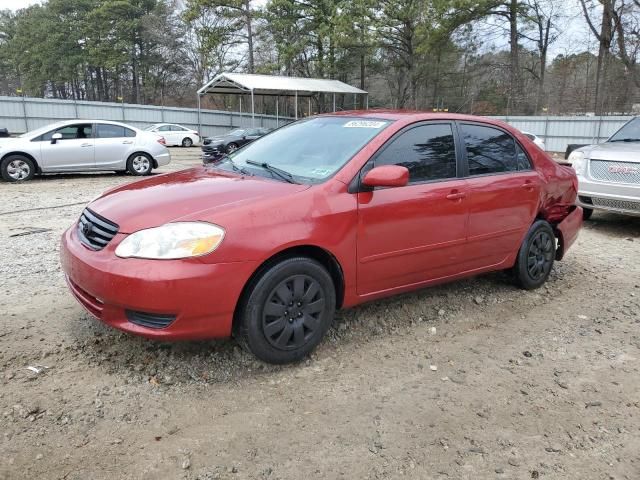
(311, 150)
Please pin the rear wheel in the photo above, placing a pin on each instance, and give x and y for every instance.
(17, 168)
(586, 213)
(287, 311)
(187, 142)
(139, 164)
(232, 147)
(536, 256)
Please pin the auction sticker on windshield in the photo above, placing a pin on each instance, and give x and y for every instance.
(364, 124)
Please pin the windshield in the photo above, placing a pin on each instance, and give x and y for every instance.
(38, 131)
(630, 132)
(310, 150)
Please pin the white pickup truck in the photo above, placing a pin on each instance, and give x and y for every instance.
(609, 173)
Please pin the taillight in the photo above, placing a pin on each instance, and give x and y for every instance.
(162, 141)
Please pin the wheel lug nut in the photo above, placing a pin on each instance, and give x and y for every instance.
(291, 320)
(299, 314)
(299, 304)
(286, 312)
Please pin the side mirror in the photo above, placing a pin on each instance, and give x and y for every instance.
(55, 137)
(386, 176)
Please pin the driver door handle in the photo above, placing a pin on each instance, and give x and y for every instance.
(456, 196)
(86, 145)
(127, 142)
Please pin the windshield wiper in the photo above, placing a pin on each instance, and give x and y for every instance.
(625, 140)
(235, 167)
(286, 176)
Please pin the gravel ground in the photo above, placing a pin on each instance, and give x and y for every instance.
(471, 380)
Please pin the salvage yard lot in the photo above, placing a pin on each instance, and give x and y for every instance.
(475, 379)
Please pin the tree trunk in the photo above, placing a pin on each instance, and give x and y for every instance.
(605, 37)
(514, 77)
(249, 21)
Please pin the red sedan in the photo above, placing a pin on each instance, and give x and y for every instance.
(324, 213)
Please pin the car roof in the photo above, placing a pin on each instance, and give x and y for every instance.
(410, 116)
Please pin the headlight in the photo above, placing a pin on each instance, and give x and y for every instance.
(578, 161)
(173, 240)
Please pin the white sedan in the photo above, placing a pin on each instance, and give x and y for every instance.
(81, 146)
(176, 135)
(536, 139)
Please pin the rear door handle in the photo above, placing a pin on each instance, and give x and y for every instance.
(128, 142)
(86, 145)
(528, 185)
(456, 196)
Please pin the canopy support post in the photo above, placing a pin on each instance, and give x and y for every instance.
(199, 120)
(334, 103)
(240, 122)
(296, 104)
(309, 106)
(277, 119)
(366, 101)
(253, 111)
(355, 101)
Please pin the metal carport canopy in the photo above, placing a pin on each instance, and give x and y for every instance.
(275, 85)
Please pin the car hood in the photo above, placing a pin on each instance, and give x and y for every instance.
(189, 195)
(614, 151)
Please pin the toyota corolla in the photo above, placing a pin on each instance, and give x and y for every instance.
(325, 213)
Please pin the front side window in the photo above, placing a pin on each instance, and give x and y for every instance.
(428, 151)
(523, 159)
(164, 128)
(489, 150)
(104, 130)
(311, 150)
(71, 132)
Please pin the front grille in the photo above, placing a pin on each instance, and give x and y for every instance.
(149, 320)
(616, 204)
(95, 231)
(616, 172)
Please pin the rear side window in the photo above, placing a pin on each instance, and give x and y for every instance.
(489, 150)
(428, 151)
(110, 131)
(523, 160)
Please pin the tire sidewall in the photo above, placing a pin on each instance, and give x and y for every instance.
(130, 164)
(250, 321)
(586, 213)
(5, 164)
(187, 142)
(521, 271)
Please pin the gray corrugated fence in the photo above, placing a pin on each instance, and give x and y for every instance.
(20, 115)
(558, 132)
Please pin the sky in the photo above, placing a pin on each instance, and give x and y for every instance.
(16, 4)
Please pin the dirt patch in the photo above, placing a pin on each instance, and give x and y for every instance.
(475, 379)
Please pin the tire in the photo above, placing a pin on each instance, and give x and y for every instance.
(286, 311)
(232, 147)
(586, 213)
(187, 142)
(536, 256)
(17, 168)
(139, 164)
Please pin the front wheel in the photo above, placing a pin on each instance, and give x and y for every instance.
(187, 142)
(536, 256)
(586, 213)
(139, 164)
(17, 168)
(287, 311)
(232, 147)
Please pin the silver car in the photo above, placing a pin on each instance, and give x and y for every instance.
(82, 146)
(609, 173)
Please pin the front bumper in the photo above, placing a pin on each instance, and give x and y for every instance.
(613, 197)
(211, 154)
(197, 298)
